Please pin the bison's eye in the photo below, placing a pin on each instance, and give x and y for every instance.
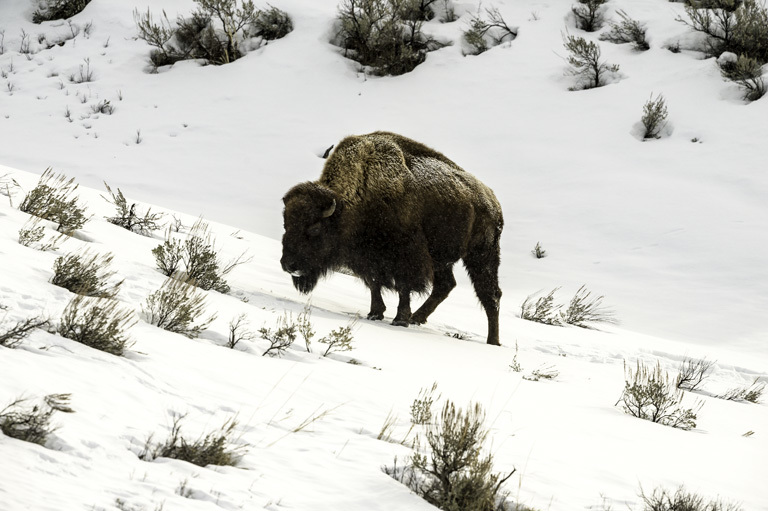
(314, 229)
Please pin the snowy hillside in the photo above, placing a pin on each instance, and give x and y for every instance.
(671, 231)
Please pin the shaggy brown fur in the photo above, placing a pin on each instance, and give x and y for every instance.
(398, 215)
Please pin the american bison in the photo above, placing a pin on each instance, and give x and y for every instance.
(398, 215)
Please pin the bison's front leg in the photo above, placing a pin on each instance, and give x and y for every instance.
(403, 317)
(377, 304)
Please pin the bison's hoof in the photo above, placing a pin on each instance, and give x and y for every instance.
(375, 316)
(417, 319)
(400, 322)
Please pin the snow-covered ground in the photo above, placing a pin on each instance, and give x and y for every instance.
(671, 231)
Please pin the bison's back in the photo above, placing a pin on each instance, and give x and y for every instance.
(403, 192)
(383, 165)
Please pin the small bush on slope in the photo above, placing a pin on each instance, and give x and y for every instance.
(453, 473)
(200, 260)
(33, 425)
(128, 218)
(739, 27)
(544, 310)
(746, 72)
(304, 326)
(32, 233)
(85, 274)
(282, 337)
(627, 30)
(272, 24)
(586, 64)
(737, 33)
(52, 199)
(169, 256)
(692, 373)
(539, 252)
(58, 9)
(649, 394)
(214, 32)
(381, 35)
(339, 339)
(12, 336)
(238, 331)
(582, 310)
(203, 268)
(589, 14)
(486, 32)
(98, 323)
(654, 117)
(232, 19)
(421, 408)
(681, 500)
(176, 307)
(751, 393)
(212, 449)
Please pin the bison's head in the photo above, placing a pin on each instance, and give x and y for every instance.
(310, 242)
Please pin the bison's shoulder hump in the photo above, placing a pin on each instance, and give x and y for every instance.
(364, 165)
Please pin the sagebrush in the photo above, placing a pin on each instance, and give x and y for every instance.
(654, 117)
(272, 24)
(627, 30)
(543, 310)
(216, 31)
(650, 394)
(304, 326)
(58, 9)
(32, 234)
(589, 14)
(128, 216)
(282, 337)
(198, 257)
(488, 30)
(750, 393)
(86, 274)
(736, 26)
(178, 307)
(239, 331)
(99, 323)
(339, 339)
(586, 63)
(453, 471)
(54, 199)
(692, 373)
(216, 448)
(538, 251)
(12, 336)
(33, 424)
(383, 35)
(681, 499)
(584, 310)
(745, 72)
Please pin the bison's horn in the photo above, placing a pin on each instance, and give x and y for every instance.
(328, 212)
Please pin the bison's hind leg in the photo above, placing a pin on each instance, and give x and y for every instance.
(483, 269)
(443, 284)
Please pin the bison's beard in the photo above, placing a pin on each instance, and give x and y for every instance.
(306, 282)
